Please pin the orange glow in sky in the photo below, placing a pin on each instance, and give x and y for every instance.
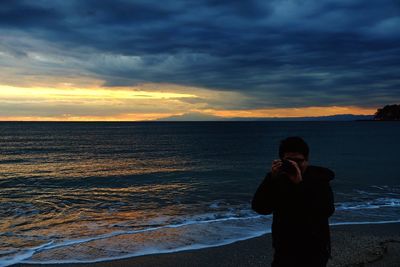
(83, 93)
(292, 112)
(140, 103)
(68, 117)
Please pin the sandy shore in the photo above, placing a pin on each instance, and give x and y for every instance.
(370, 245)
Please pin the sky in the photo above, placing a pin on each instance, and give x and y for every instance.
(120, 60)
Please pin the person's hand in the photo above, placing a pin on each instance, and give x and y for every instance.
(298, 177)
(276, 165)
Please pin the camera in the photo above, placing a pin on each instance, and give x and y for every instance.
(288, 168)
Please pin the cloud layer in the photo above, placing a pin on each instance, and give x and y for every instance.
(275, 54)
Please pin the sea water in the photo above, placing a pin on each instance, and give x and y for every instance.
(87, 192)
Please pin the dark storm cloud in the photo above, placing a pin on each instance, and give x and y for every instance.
(279, 53)
(22, 14)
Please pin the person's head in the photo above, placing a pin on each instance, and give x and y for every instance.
(296, 149)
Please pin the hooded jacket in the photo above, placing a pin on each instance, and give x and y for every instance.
(300, 227)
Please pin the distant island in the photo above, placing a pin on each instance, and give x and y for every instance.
(388, 113)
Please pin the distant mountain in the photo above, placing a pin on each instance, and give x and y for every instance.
(193, 116)
(340, 117)
(197, 116)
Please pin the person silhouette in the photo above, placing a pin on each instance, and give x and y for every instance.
(301, 200)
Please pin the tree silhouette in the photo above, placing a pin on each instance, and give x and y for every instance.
(388, 113)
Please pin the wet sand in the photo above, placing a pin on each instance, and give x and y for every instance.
(369, 245)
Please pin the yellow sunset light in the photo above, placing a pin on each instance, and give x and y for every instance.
(292, 112)
(79, 93)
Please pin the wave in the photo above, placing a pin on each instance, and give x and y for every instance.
(151, 251)
(28, 253)
(6, 261)
(23, 257)
(117, 233)
(370, 204)
(155, 251)
(365, 222)
(204, 219)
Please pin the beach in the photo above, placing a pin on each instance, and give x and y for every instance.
(369, 245)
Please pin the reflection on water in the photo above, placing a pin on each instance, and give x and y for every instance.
(78, 167)
(53, 212)
(65, 213)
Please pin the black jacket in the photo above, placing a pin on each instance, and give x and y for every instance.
(300, 228)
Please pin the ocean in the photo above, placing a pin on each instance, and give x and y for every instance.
(88, 192)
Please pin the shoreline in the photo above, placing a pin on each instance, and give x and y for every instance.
(370, 245)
